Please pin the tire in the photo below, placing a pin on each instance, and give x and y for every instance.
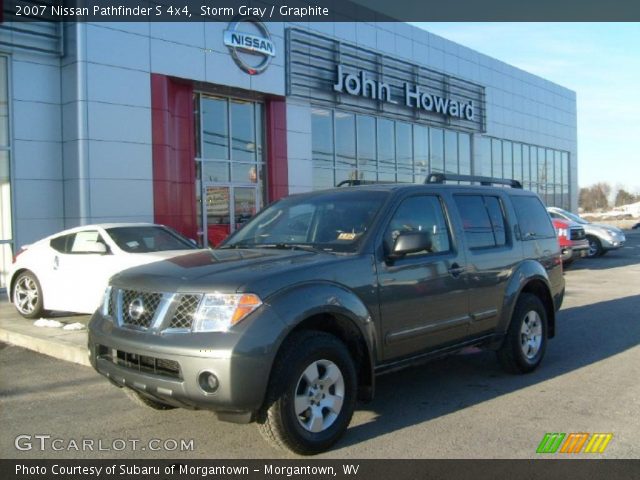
(526, 340)
(297, 415)
(567, 263)
(27, 296)
(595, 247)
(143, 401)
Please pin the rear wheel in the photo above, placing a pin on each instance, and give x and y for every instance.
(595, 247)
(311, 396)
(526, 340)
(143, 401)
(27, 296)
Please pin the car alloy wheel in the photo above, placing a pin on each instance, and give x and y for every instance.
(531, 334)
(27, 296)
(319, 396)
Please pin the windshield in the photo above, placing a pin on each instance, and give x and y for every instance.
(573, 217)
(334, 221)
(148, 239)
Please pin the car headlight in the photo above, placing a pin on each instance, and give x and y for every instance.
(105, 301)
(218, 312)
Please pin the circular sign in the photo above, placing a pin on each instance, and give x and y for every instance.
(247, 39)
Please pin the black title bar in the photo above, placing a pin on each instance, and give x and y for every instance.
(320, 10)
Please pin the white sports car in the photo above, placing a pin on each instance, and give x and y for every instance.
(69, 271)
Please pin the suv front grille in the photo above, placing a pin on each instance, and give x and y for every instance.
(138, 308)
(144, 310)
(577, 233)
(183, 316)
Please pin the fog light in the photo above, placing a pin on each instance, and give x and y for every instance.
(208, 382)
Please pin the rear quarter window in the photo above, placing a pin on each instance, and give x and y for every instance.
(533, 219)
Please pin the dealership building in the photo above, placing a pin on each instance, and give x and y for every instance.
(199, 125)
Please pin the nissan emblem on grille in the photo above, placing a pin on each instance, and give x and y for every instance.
(136, 309)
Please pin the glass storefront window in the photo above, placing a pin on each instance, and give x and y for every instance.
(436, 150)
(464, 154)
(450, 151)
(517, 162)
(366, 135)
(322, 138)
(230, 163)
(420, 152)
(243, 139)
(507, 159)
(215, 133)
(345, 139)
(386, 148)
(496, 158)
(484, 148)
(404, 152)
(373, 148)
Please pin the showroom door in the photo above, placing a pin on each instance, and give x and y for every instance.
(228, 207)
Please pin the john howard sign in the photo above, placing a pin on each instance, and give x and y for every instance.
(343, 75)
(414, 96)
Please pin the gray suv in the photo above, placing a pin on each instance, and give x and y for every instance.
(289, 321)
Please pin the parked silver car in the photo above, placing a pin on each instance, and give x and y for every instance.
(602, 238)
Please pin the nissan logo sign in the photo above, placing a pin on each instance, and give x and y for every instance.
(246, 45)
(136, 309)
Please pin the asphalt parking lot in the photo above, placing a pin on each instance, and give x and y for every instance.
(460, 407)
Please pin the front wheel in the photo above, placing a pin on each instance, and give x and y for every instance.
(311, 396)
(595, 247)
(526, 339)
(27, 296)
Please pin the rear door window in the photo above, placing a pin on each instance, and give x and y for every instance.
(482, 220)
(533, 219)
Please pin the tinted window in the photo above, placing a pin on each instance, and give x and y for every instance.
(532, 218)
(496, 215)
(475, 221)
(420, 214)
(148, 239)
(60, 243)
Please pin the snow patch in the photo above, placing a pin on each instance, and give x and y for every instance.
(47, 323)
(74, 326)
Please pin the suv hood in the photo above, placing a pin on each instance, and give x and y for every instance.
(217, 270)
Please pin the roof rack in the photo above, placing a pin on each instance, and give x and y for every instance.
(355, 183)
(486, 181)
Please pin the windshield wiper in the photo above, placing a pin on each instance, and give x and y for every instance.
(293, 246)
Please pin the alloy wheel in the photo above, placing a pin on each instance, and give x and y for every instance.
(319, 396)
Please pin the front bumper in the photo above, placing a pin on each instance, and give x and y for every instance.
(166, 367)
(613, 242)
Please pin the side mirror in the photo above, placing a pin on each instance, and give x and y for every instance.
(410, 242)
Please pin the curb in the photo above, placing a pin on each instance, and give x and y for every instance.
(52, 347)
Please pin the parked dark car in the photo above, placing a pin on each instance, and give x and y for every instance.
(288, 322)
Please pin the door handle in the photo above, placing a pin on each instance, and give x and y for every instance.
(456, 270)
(56, 262)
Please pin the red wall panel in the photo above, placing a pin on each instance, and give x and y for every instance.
(173, 150)
(277, 166)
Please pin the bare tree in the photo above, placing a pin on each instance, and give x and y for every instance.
(595, 197)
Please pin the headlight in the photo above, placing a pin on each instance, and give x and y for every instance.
(218, 312)
(105, 301)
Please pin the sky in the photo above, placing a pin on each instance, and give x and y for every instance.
(599, 61)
